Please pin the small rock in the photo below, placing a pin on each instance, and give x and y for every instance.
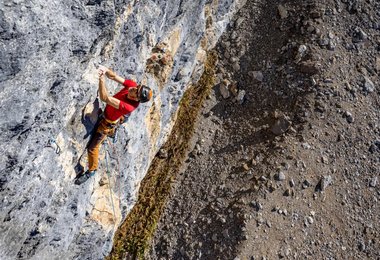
(306, 184)
(254, 162)
(240, 97)
(260, 221)
(373, 182)
(349, 117)
(257, 205)
(280, 176)
(302, 50)
(162, 154)
(223, 87)
(281, 125)
(282, 11)
(325, 160)
(324, 182)
(236, 67)
(331, 45)
(214, 238)
(239, 21)
(103, 181)
(368, 85)
(234, 89)
(257, 75)
(309, 220)
(361, 246)
(291, 183)
(373, 148)
(324, 42)
(309, 67)
(359, 35)
(288, 192)
(306, 146)
(245, 167)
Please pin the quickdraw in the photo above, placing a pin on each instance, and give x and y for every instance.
(53, 144)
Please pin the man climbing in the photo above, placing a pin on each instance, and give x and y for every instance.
(122, 103)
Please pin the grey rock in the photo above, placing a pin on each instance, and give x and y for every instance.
(324, 42)
(241, 96)
(362, 246)
(373, 182)
(349, 117)
(260, 221)
(302, 49)
(223, 87)
(368, 85)
(257, 75)
(325, 159)
(268, 223)
(236, 67)
(162, 154)
(225, 233)
(359, 35)
(282, 11)
(306, 184)
(309, 220)
(306, 146)
(257, 205)
(331, 45)
(239, 21)
(324, 182)
(280, 176)
(288, 192)
(281, 125)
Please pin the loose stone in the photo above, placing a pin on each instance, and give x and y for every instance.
(281, 176)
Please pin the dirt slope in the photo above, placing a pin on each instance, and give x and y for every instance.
(285, 159)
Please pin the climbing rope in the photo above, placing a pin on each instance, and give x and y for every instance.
(109, 180)
(118, 184)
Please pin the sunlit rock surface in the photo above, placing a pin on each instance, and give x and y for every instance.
(48, 86)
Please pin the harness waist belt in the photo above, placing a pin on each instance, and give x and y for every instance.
(111, 122)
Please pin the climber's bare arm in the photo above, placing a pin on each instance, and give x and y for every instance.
(111, 74)
(118, 79)
(103, 93)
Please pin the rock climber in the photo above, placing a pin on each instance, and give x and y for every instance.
(121, 104)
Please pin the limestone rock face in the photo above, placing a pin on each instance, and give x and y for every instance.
(48, 86)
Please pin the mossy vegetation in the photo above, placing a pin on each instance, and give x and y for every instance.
(132, 238)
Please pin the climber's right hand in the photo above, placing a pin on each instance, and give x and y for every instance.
(108, 72)
(103, 69)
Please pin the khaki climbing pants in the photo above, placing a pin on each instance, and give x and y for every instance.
(104, 129)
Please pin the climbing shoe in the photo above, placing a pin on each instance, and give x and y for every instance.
(84, 177)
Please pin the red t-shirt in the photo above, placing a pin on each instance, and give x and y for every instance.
(126, 105)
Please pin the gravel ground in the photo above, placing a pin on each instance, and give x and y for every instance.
(285, 159)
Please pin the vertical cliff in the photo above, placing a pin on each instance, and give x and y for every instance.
(48, 87)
